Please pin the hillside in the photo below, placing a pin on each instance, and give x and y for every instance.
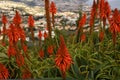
(62, 5)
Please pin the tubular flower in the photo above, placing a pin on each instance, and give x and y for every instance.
(4, 74)
(63, 59)
(102, 6)
(82, 21)
(40, 34)
(45, 34)
(13, 34)
(20, 60)
(17, 18)
(50, 49)
(11, 51)
(104, 10)
(24, 48)
(30, 21)
(114, 24)
(4, 19)
(41, 53)
(21, 33)
(26, 74)
(53, 8)
(101, 36)
(83, 38)
(107, 9)
(115, 21)
(93, 13)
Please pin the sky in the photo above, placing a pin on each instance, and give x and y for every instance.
(113, 3)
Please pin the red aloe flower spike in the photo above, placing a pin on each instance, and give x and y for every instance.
(102, 6)
(93, 13)
(41, 53)
(22, 34)
(116, 16)
(40, 34)
(26, 74)
(40, 37)
(20, 60)
(83, 38)
(17, 19)
(11, 51)
(4, 19)
(104, 11)
(4, 74)
(63, 59)
(101, 36)
(107, 9)
(53, 8)
(31, 25)
(45, 34)
(114, 24)
(24, 48)
(82, 21)
(30, 21)
(50, 49)
(13, 34)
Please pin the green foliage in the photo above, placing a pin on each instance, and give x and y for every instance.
(91, 61)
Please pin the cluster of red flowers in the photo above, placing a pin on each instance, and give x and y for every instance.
(50, 49)
(93, 13)
(115, 24)
(83, 38)
(11, 51)
(104, 10)
(30, 21)
(82, 21)
(40, 34)
(53, 11)
(4, 19)
(26, 74)
(4, 74)
(4, 22)
(15, 34)
(41, 53)
(17, 19)
(53, 8)
(63, 59)
(101, 36)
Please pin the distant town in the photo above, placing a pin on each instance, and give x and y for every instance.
(63, 20)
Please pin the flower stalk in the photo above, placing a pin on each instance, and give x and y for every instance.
(48, 17)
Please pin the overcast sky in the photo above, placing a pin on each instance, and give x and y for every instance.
(113, 3)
